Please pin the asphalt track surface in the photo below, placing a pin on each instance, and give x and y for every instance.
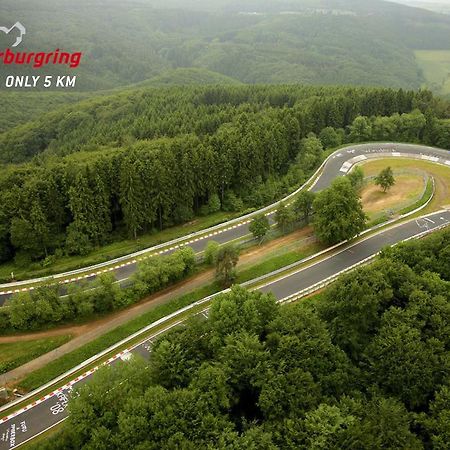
(336, 165)
(39, 416)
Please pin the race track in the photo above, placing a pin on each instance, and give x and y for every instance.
(51, 409)
(336, 165)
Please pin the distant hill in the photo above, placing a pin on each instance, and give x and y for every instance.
(361, 42)
(185, 76)
(21, 107)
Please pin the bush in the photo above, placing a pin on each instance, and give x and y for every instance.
(232, 203)
(204, 210)
(210, 253)
(5, 323)
(183, 213)
(226, 260)
(157, 273)
(214, 203)
(21, 311)
(44, 306)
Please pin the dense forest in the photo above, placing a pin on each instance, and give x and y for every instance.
(360, 42)
(21, 107)
(367, 366)
(18, 108)
(228, 148)
(178, 42)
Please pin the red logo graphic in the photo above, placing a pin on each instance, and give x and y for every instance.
(39, 59)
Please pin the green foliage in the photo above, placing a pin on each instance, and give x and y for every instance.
(284, 217)
(259, 227)
(212, 247)
(57, 367)
(338, 212)
(44, 306)
(155, 273)
(21, 107)
(106, 167)
(415, 126)
(311, 152)
(77, 243)
(331, 138)
(214, 203)
(360, 130)
(356, 177)
(226, 260)
(303, 205)
(385, 179)
(438, 424)
(258, 375)
(319, 375)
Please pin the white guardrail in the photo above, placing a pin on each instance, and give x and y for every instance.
(174, 242)
(324, 283)
(207, 299)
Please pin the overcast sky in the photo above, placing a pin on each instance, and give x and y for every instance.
(445, 2)
(415, 2)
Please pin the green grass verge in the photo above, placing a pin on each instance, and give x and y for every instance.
(66, 362)
(113, 250)
(425, 197)
(377, 221)
(15, 354)
(72, 359)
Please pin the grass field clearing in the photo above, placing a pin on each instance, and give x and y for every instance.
(435, 66)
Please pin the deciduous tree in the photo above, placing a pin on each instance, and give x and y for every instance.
(226, 260)
(338, 213)
(259, 227)
(385, 179)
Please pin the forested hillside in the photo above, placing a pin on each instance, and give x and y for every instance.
(21, 107)
(147, 159)
(358, 42)
(366, 366)
(156, 43)
(145, 114)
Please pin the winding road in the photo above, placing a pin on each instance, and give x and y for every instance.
(39, 416)
(337, 164)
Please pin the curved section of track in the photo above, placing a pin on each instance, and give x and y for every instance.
(47, 412)
(50, 410)
(335, 165)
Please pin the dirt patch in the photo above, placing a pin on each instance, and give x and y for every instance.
(89, 331)
(407, 189)
(440, 173)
